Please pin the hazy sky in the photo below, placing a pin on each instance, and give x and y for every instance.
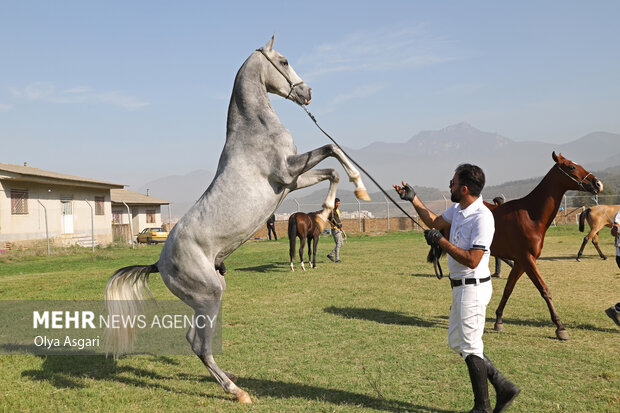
(135, 90)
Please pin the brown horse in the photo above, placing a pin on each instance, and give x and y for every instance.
(521, 224)
(598, 217)
(305, 226)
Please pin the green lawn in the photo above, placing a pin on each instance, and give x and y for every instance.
(369, 334)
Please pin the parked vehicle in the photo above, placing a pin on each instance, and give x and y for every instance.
(150, 235)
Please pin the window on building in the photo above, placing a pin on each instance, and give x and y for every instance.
(117, 217)
(19, 201)
(150, 216)
(99, 202)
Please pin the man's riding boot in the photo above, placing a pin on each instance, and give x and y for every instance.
(506, 391)
(478, 376)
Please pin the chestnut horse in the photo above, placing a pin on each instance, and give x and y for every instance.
(521, 224)
(598, 217)
(305, 226)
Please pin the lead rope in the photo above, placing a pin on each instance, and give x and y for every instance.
(436, 250)
(595, 199)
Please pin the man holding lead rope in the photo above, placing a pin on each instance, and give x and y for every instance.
(471, 227)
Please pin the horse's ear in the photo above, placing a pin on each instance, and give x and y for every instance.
(269, 46)
(555, 158)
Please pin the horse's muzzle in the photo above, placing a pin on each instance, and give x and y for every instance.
(594, 187)
(302, 94)
(599, 186)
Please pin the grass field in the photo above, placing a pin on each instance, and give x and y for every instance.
(369, 334)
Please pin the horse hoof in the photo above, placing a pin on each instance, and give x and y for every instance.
(561, 334)
(231, 376)
(362, 194)
(499, 327)
(243, 397)
(578, 259)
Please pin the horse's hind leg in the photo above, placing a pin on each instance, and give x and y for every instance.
(310, 251)
(200, 337)
(302, 243)
(315, 244)
(513, 277)
(595, 243)
(202, 289)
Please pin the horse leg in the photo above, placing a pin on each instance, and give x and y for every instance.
(534, 274)
(310, 251)
(299, 164)
(583, 245)
(302, 243)
(595, 242)
(315, 243)
(317, 175)
(513, 277)
(202, 288)
(292, 239)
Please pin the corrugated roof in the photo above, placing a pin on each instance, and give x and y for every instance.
(130, 197)
(28, 173)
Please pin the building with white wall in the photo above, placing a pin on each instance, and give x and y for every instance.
(35, 203)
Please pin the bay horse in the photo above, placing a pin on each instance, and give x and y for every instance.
(521, 224)
(259, 166)
(305, 226)
(598, 217)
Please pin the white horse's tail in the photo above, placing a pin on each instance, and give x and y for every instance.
(124, 296)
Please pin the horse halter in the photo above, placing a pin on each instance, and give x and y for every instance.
(580, 183)
(290, 83)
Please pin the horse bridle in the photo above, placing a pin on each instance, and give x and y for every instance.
(290, 83)
(580, 183)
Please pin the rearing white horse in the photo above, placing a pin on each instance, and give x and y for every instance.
(258, 167)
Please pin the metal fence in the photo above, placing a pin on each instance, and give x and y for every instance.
(363, 212)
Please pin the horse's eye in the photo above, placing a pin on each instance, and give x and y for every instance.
(571, 167)
(285, 63)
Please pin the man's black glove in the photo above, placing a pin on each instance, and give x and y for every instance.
(432, 237)
(407, 193)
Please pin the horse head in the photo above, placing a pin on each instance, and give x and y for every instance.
(582, 180)
(280, 78)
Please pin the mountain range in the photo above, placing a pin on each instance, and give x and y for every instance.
(427, 161)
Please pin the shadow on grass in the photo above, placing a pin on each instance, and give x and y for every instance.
(275, 266)
(548, 323)
(428, 275)
(382, 316)
(69, 372)
(281, 390)
(559, 258)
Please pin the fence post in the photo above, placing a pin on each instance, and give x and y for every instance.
(565, 211)
(130, 223)
(359, 214)
(47, 234)
(92, 225)
(388, 214)
(297, 204)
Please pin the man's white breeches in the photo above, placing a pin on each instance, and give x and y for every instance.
(467, 317)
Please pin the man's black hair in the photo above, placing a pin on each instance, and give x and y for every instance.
(472, 177)
(337, 200)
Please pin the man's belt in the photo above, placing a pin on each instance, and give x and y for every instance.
(470, 281)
